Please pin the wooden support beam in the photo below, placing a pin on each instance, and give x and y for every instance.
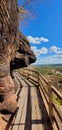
(50, 101)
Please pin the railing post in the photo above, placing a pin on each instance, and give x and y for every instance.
(38, 78)
(50, 101)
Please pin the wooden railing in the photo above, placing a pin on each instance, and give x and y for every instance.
(48, 92)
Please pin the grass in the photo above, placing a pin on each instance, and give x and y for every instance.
(43, 70)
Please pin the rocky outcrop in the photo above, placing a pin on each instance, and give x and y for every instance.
(15, 52)
(24, 55)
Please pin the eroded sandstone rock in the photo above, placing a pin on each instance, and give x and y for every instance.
(15, 52)
(7, 95)
(8, 46)
(24, 55)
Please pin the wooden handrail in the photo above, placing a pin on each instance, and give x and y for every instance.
(43, 78)
(50, 88)
(53, 88)
(57, 92)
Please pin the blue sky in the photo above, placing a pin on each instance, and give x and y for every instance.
(45, 32)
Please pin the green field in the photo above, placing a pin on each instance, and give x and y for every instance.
(48, 69)
(54, 71)
(43, 70)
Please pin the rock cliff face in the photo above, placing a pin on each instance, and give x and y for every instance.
(15, 52)
(24, 55)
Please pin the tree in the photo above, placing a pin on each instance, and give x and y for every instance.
(28, 9)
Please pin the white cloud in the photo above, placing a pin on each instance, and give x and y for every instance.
(34, 48)
(54, 59)
(40, 51)
(55, 49)
(37, 40)
(44, 50)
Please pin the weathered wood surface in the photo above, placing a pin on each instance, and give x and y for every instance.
(31, 114)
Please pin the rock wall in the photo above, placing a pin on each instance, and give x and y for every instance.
(15, 52)
(24, 55)
(8, 46)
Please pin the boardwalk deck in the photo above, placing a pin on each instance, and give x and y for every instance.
(31, 114)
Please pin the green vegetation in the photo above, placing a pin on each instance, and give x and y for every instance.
(59, 68)
(55, 67)
(54, 73)
(56, 99)
(43, 70)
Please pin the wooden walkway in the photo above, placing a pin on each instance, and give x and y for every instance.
(31, 114)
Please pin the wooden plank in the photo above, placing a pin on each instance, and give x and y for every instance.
(44, 100)
(50, 102)
(21, 105)
(34, 127)
(28, 82)
(20, 79)
(23, 116)
(36, 113)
